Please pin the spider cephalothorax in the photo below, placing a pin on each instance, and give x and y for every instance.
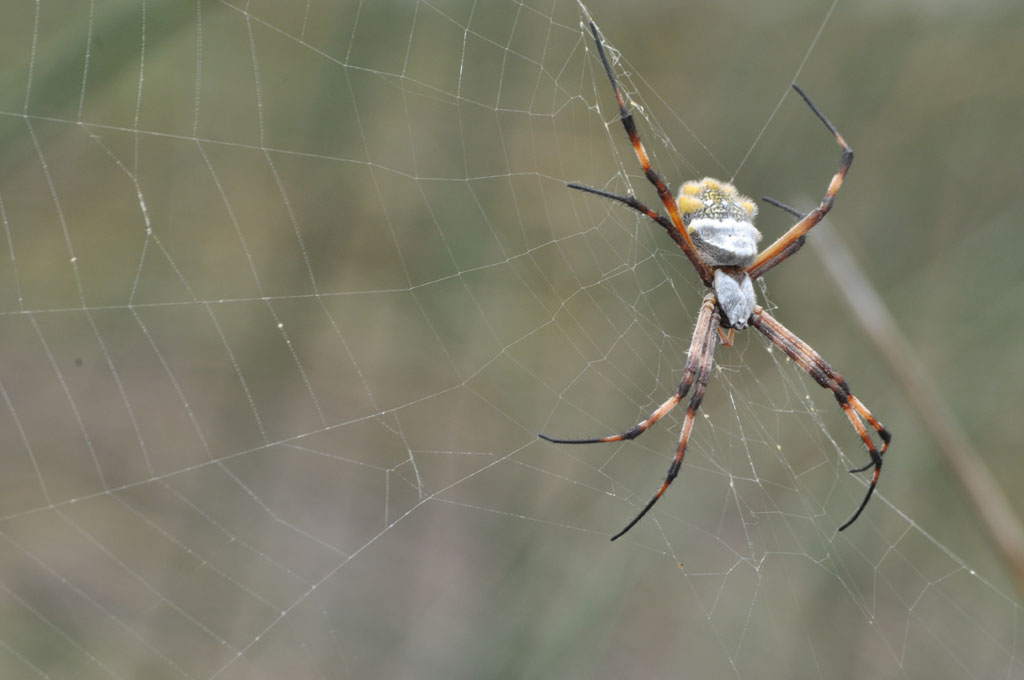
(714, 226)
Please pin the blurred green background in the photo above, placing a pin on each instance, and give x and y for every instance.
(290, 288)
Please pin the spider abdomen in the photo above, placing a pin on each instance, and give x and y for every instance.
(720, 221)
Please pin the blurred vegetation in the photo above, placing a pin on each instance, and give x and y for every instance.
(291, 288)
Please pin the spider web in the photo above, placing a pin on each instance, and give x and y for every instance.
(291, 288)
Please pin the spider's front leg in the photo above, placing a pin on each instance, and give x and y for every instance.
(826, 376)
(697, 372)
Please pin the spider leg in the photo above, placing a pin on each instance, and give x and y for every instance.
(782, 206)
(793, 246)
(635, 204)
(703, 375)
(783, 247)
(826, 376)
(703, 270)
(705, 318)
(697, 370)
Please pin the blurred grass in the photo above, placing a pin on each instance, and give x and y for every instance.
(355, 281)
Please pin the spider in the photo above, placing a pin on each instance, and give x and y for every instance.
(713, 225)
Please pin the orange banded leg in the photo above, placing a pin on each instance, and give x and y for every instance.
(826, 376)
(634, 203)
(697, 342)
(703, 375)
(790, 242)
(698, 369)
(686, 243)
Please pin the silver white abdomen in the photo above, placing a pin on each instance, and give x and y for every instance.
(725, 242)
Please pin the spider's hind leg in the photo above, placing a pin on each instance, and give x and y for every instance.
(682, 236)
(784, 246)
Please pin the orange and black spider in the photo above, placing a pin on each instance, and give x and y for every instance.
(713, 224)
